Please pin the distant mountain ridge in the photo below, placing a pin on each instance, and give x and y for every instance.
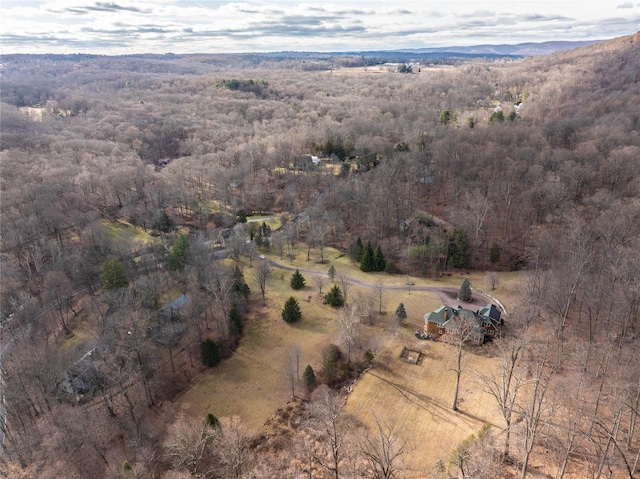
(519, 49)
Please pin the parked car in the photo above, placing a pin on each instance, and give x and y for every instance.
(422, 335)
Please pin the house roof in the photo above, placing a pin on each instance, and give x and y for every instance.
(490, 313)
(174, 306)
(438, 316)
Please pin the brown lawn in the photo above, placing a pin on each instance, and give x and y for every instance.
(418, 399)
(252, 383)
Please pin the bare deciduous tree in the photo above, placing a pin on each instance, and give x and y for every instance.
(505, 383)
(491, 280)
(233, 448)
(461, 329)
(262, 274)
(318, 280)
(383, 450)
(187, 443)
(331, 428)
(538, 408)
(344, 283)
(349, 322)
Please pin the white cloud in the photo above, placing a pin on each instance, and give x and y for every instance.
(183, 26)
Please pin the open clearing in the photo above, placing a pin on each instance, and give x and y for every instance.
(252, 383)
(417, 398)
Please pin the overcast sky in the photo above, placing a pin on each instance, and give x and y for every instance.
(203, 26)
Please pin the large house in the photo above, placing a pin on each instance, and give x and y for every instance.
(445, 323)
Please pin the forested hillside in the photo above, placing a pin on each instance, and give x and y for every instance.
(119, 173)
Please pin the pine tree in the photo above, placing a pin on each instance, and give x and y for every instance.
(366, 260)
(309, 378)
(235, 322)
(458, 249)
(213, 421)
(265, 229)
(401, 314)
(355, 250)
(331, 357)
(465, 291)
(494, 253)
(378, 260)
(209, 352)
(113, 275)
(291, 311)
(334, 297)
(297, 280)
(178, 255)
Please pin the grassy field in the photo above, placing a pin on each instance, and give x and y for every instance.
(122, 232)
(252, 383)
(418, 399)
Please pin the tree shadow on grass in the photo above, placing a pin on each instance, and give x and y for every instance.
(428, 404)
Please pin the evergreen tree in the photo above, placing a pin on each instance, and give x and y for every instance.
(355, 250)
(331, 356)
(235, 322)
(464, 294)
(213, 421)
(331, 272)
(494, 253)
(179, 252)
(378, 260)
(209, 352)
(239, 284)
(297, 280)
(366, 260)
(496, 116)
(334, 297)
(258, 238)
(113, 275)
(265, 229)
(401, 314)
(241, 216)
(162, 222)
(309, 378)
(458, 247)
(291, 311)
(445, 117)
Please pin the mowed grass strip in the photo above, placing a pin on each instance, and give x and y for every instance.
(418, 398)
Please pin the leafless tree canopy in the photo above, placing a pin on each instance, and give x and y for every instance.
(116, 158)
